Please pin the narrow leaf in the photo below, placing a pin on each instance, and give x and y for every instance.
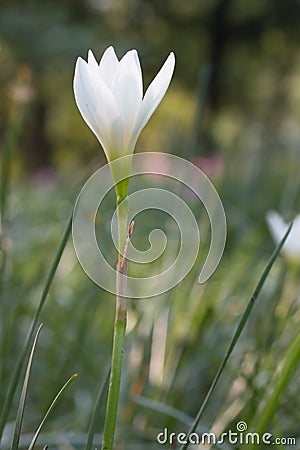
(65, 386)
(96, 413)
(20, 413)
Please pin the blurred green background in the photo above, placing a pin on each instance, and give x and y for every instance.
(233, 108)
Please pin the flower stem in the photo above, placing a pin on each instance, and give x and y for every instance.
(119, 328)
(115, 374)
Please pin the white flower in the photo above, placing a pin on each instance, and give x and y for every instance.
(278, 227)
(109, 96)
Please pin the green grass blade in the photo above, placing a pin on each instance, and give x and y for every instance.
(161, 408)
(95, 419)
(20, 413)
(11, 138)
(238, 331)
(288, 365)
(180, 416)
(44, 294)
(65, 386)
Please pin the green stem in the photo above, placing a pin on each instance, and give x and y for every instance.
(122, 214)
(115, 376)
(119, 329)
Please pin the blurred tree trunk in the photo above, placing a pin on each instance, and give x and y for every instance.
(37, 149)
(219, 30)
(219, 33)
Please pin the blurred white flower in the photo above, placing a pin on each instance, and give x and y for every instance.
(109, 96)
(278, 227)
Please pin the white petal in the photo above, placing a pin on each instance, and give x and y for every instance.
(296, 225)
(109, 66)
(155, 92)
(98, 108)
(130, 66)
(278, 227)
(293, 240)
(92, 61)
(128, 92)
